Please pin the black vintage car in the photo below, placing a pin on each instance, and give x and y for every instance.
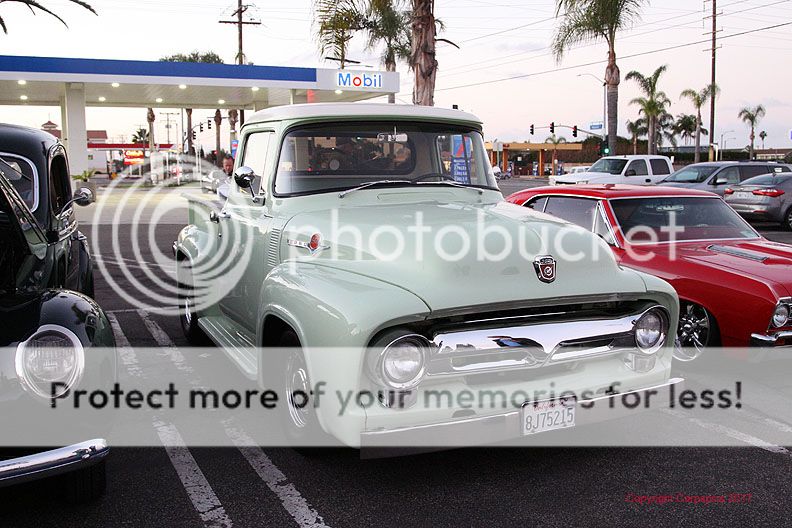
(48, 332)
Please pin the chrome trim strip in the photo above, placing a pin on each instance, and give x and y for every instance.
(53, 462)
(770, 340)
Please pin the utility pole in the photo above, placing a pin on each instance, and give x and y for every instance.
(168, 121)
(714, 50)
(240, 23)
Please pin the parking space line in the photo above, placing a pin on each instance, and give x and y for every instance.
(291, 499)
(198, 489)
(731, 433)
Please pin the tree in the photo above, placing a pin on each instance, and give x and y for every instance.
(555, 141)
(751, 116)
(686, 126)
(762, 136)
(423, 58)
(336, 22)
(636, 129)
(653, 103)
(141, 135)
(593, 21)
(37, 4)
(389, 26)
(699, 99)
(218, 119)
(150, 118)
(206, 57)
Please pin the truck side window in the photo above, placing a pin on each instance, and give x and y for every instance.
(59, 184)
(659, 166)
(639, 166)
(255, 153)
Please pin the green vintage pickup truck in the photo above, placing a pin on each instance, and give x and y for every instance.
(368, 247)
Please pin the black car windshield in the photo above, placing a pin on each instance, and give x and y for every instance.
(333, 157)
(650, 220)
(21, 176)
(609, 165)
(692, 174)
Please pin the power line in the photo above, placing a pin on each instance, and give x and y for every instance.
(593, 63)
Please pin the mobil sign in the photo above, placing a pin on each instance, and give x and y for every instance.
(346, 79)
(351, 80)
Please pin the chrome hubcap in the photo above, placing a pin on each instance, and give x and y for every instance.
(297, 382)
(694, 331)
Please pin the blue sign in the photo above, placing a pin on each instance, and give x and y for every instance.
(234, 145)
(596, 126)
(459, 169)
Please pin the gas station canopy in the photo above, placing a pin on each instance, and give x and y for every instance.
(74, 84)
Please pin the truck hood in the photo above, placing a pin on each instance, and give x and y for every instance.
(364, 239)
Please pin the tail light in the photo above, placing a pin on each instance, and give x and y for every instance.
(772, 193)
(728, 191)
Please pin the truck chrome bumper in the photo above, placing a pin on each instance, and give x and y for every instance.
(493, 429)
(53, 462)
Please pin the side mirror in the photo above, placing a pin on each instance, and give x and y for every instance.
(630, 172)
(244, 177)
(83, 196)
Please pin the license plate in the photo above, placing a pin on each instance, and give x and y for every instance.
(538, 417)
(742, 195)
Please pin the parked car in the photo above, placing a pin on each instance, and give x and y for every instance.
(766, 198)
(415, 321)
(48, 336)
(35, 163)
(717, 176)
(734, 286)
(638, 170)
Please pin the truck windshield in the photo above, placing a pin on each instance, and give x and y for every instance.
(336, 157)
(609, 165)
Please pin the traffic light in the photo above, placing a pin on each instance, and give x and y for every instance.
(552, 127)
(194, 136)
(532, 130)
(604, 148)
(208, 124)
(574, 131)
(200, 127)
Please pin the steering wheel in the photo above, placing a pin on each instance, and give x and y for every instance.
(432, 175)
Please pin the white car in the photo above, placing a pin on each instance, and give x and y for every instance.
(638, 170)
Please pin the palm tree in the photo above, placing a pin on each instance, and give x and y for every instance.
(36, 4)
(664, 124)
(218, 119)
(699, 99)
(752, 115)
(150, 118)
(140, 136)
(686, 126)
(596, 20)
(636, 129)
(390, 26)
(653, 103)
(555, 141)
(423, 59)
(762, 136)
(336, 22)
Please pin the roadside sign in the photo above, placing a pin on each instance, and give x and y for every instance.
(596, 126)
(234, 145)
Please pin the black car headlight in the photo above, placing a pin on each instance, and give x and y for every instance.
(53, 354)
(651, 330)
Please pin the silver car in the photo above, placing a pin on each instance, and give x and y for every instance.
(766, 198)
(717, 176)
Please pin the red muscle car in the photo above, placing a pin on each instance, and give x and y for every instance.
(734, 286)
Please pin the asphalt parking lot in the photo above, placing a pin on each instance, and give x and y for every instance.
(465, 487)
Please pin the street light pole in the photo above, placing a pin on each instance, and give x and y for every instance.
(722, 148)
(604, 100)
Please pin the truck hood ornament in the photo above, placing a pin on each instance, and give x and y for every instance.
(545, 266)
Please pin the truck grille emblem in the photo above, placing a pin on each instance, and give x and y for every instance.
(545, 267)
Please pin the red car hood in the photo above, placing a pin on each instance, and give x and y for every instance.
(759, 258)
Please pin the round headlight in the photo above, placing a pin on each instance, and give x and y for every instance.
(650, 331)
(402, 362)
(53, 354)
(780, 315)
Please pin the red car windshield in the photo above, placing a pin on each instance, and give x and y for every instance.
(650, 220)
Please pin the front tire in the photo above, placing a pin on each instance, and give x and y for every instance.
(188, 316)
(697, 331)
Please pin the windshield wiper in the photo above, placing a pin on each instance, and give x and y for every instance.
(371, 184)
(452, 184)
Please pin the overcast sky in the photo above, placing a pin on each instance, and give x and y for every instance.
(498, 39)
